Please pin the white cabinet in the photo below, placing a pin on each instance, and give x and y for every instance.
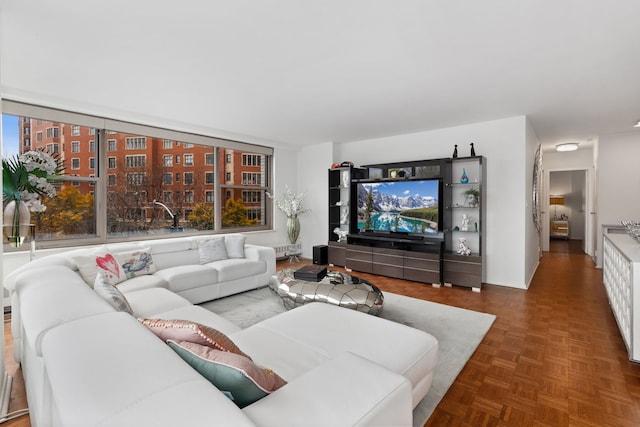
(621, 278)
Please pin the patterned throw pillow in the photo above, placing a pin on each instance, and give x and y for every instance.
(232, 373)
(212, 250)
(110, 268)
(111, 294)
(136, 263)
(185, 330)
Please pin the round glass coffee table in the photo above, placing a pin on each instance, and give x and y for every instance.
(335, 288)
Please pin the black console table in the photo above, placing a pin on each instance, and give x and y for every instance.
(396, 255)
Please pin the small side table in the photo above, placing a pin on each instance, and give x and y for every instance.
(293, 252)
(559, 228)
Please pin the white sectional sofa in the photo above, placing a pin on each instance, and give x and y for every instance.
(87, 364)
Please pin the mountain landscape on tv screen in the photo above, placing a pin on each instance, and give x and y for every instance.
(404, 206)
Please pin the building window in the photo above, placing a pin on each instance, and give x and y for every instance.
(228, 156)
(251, 178)
(167, 178)
(53, 148)
(227, 176)
(75, 163)
(188, 178)
(53, 132)
(167, 196)
(177, 177)
(208, 196)
(208, 159)
(75, 146)
(178, 159)
(251, 160)
(138, 161)
(92, 146)
(137, 178)
(112, 180)
(111, 145)
(167, 144)
(254, 214)
(39, 137)
(27, 142)
(111, 162)
(92, 162)
(167, 160)
(188, 145)
(188, 159)
(208, 177)
(136, 143)
(75, 130)
(251, 196)
(188, 196)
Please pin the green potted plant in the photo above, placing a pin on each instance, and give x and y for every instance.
(472, 197)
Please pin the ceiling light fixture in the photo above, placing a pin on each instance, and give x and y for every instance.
(637, 125)
(571, 146)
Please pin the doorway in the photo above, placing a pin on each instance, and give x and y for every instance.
(568, 201)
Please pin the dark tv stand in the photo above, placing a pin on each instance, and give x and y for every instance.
(400, 255)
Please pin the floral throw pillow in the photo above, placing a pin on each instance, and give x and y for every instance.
(136, 263)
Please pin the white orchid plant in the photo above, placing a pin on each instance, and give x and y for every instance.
(28, 177)
(290, 204)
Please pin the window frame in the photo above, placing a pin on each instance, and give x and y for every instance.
(103, 127)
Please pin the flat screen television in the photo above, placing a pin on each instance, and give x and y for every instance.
(407, 206)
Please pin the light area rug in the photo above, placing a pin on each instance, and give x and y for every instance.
(458, 331)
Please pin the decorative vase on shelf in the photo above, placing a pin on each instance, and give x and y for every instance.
(464, 178)
(17, 221)
(293, 229)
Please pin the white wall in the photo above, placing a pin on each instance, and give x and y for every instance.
(618, 181)
(503, 143)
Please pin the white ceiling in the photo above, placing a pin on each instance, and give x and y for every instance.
(303, 72)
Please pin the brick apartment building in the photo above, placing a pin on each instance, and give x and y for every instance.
(141, 169)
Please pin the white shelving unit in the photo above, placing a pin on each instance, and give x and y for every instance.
(621, 278)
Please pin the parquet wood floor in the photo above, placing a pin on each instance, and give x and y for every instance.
(553, 357)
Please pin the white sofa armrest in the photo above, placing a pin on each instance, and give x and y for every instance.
(262, 253)
(348, 390)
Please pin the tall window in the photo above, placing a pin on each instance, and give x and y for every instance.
(141, 168)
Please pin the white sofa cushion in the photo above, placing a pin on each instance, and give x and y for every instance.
(319, 327)
(110, 387)
(149, 302)
(367, 395)
(184, 277)
(142, 282)
(231, 269)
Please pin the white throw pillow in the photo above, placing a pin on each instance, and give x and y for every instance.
(212, 250)
(136, 263)
(235, 245)
(111, 294)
